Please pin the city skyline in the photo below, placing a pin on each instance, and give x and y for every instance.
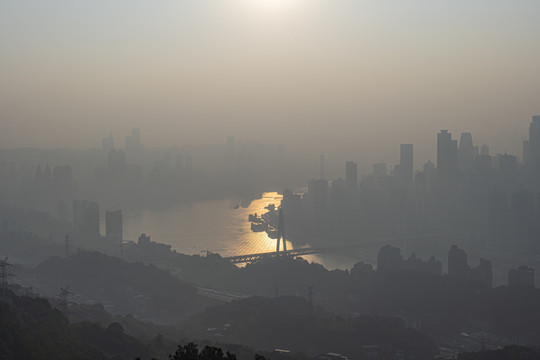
(325, 76)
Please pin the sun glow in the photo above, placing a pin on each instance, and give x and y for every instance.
(274, 5)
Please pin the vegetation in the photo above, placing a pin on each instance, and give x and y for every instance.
(292, 323)
(507, 353)
(31, 329)
(131, 288)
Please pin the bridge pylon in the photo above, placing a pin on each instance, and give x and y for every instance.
(281, 232)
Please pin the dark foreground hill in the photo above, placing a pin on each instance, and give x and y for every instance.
(292, 323)
(31, 329)
(127, 288)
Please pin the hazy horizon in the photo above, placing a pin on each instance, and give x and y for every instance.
(345, 77)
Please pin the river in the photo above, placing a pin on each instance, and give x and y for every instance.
(215, 226)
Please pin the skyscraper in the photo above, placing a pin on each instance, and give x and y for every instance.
(522, 220)
(86, 217)
(534, 140)
(113, 225)
(458, 263)
(406, 165)
(351, 175)
(446, 155)
(466, 154)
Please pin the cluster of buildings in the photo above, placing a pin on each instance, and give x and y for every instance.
(494, 197)
(86, 222)
(390, 258)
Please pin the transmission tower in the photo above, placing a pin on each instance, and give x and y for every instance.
(64, 297)
(4, 275)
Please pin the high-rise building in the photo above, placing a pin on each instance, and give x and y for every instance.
(522, 223)
(534, 140)
(351, 175)
(318, 200)
(405, 174)
(458, 265)
(466, 154)
(483, 166)
(389, 258)
(508, 170)
(113, 225)
(446, 156)
(484, 150)
(526, 152)
(86, 217)
(497, 225)
(522, 276)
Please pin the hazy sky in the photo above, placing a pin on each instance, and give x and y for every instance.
(353, 75)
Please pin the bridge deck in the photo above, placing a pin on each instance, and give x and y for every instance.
(239, 259)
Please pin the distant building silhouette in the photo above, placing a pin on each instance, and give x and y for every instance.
(446, 158)
(458, 263)
(531, 147)
(497, 226)
(113, 226)
(405, 175)
(318, 200)
(380, 170)
(144, 240)
(389, 258)
(86, 218)
(458, 267)
(351, 175)
(466, 153)
(483, 167)
(522, 276)
(508, 169)
(522, 226)
(484, 150)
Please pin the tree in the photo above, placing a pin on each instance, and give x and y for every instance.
(191, 352)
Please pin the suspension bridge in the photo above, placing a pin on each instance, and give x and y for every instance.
(247, 258)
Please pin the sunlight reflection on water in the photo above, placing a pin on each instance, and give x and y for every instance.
(215, 226)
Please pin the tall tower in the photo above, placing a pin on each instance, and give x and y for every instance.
(281, 231)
